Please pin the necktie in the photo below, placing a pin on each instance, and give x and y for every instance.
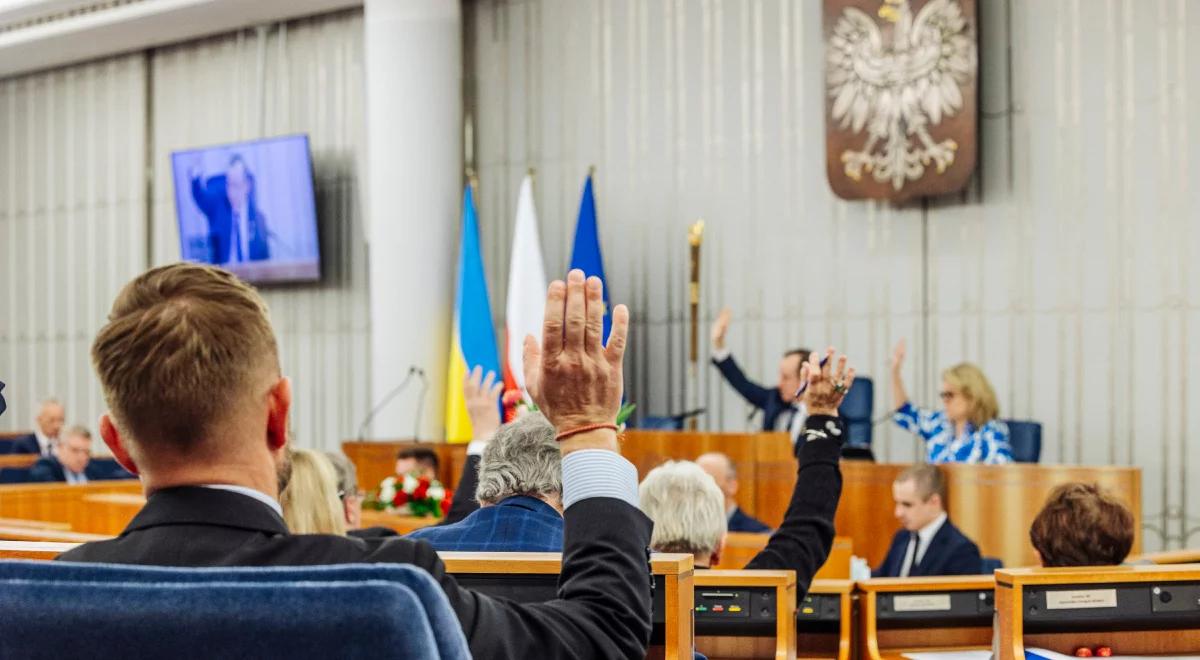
(237, 237)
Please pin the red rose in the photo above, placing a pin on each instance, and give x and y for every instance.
(421, 491)
(446, 506)
(400, 499)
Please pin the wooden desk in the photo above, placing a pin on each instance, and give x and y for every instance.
(675, 571)
(35, 524)
(1026, 618)
(35, 534)
(401, 524)
(817, 636)
(781, 645)
(18, 460)
(741, 547)
(33, 549)
(902, 615)
(1191, 556)
(375, 460)
(70, 504)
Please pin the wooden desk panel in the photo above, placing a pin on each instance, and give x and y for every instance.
(18, 460)
(14, 533)
(831, 646)
(676, 569)
(1190, 556)
(1010, 608)
(741, 547)
(69, 504)
(44, 551)
(401, 524)
(783, 646)
(375, 460)
(877, 643)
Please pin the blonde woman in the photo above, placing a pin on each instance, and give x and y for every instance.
(966, 430)
(310, 500)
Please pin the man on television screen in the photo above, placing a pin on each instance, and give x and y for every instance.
(237, 230)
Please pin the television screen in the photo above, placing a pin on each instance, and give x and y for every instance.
(249, 207)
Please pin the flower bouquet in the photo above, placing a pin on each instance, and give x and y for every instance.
(411, 495)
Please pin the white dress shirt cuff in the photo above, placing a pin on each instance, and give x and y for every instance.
(588, 473)
(720, 354)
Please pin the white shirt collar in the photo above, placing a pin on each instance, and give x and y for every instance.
(249, 492)
(43, 441)
(927, 532)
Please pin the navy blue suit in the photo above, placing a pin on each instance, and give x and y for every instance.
(26, 444)
(765, 398)
(739, 521)
(515, 524)
(949, 553)
(214, 203)
(48, 469)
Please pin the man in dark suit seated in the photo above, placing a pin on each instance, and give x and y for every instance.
(781, 410)
(198, 408)
(927, 544)
(50, 419)
(689, 510)
(70, 461)
(724, 472)
(520, 490)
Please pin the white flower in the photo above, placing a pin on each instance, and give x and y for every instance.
(437, 492)
(410, 483)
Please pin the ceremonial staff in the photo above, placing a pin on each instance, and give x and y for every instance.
(695, 238)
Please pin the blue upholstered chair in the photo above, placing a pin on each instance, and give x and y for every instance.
(1025, 439)
(856, 411)
(313, 611)
(988, 565)
(14, 475)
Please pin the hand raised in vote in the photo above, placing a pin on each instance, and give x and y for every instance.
(720, 328)
(898, 356)
(482, 396)
(827, 385)
(572, 377)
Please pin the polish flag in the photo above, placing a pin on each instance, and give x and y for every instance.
(526, 290)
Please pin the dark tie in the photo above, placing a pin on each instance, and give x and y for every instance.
(914, 540)
(237, 237)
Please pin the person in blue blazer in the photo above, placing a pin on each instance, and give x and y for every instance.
(724, 472)
(237, 229)
(781, 410)
(927, 543)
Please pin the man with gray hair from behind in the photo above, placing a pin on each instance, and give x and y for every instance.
(688, 508)
(520, 493)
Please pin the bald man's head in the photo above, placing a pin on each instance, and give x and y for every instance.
(50, 418)
(724, 472)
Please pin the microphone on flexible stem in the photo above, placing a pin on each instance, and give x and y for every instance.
(387, 399)
(420, 402)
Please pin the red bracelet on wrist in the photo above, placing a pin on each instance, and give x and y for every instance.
(584, 429)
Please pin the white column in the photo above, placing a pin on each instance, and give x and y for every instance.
(413, 57)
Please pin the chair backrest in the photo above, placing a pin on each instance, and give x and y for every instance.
(14, 475)
(1025, 438)
(108, 469)
(420, 611)
(989, 565)
(856, 411)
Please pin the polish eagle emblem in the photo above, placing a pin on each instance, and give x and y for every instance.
(899, 92)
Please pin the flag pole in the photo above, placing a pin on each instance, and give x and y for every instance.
(695, 239)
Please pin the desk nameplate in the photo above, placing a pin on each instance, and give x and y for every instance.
(1079, 599)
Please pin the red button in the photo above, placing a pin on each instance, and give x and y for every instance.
(718, 608)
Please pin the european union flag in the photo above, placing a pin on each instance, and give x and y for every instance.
(586, 254)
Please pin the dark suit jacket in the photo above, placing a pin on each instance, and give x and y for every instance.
(48, 469)
(949, 553)
(765, 398)
(803, 541)
(26, 444)
(741, 522)
(603, 609)
(516, 524)
(214, 203)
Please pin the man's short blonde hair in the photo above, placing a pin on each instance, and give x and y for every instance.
(184, 346)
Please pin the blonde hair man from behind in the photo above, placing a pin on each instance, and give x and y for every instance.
(310, 500)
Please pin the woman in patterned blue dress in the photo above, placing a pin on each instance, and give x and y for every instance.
(966, 430)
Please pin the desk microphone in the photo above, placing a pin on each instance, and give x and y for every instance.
(387, 399)
(420, 402)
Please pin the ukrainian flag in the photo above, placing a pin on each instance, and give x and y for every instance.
(472, 337)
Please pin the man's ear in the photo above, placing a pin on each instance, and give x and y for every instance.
(112, 438)
(715, 558)
(279, 402)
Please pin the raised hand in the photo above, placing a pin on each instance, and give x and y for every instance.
(827, 385)
(898, 356)
(572, 377)
(482, 395)
(720, 328)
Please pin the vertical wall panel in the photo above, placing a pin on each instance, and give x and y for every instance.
(72, 209)
(1066, 271)
(311, 81)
